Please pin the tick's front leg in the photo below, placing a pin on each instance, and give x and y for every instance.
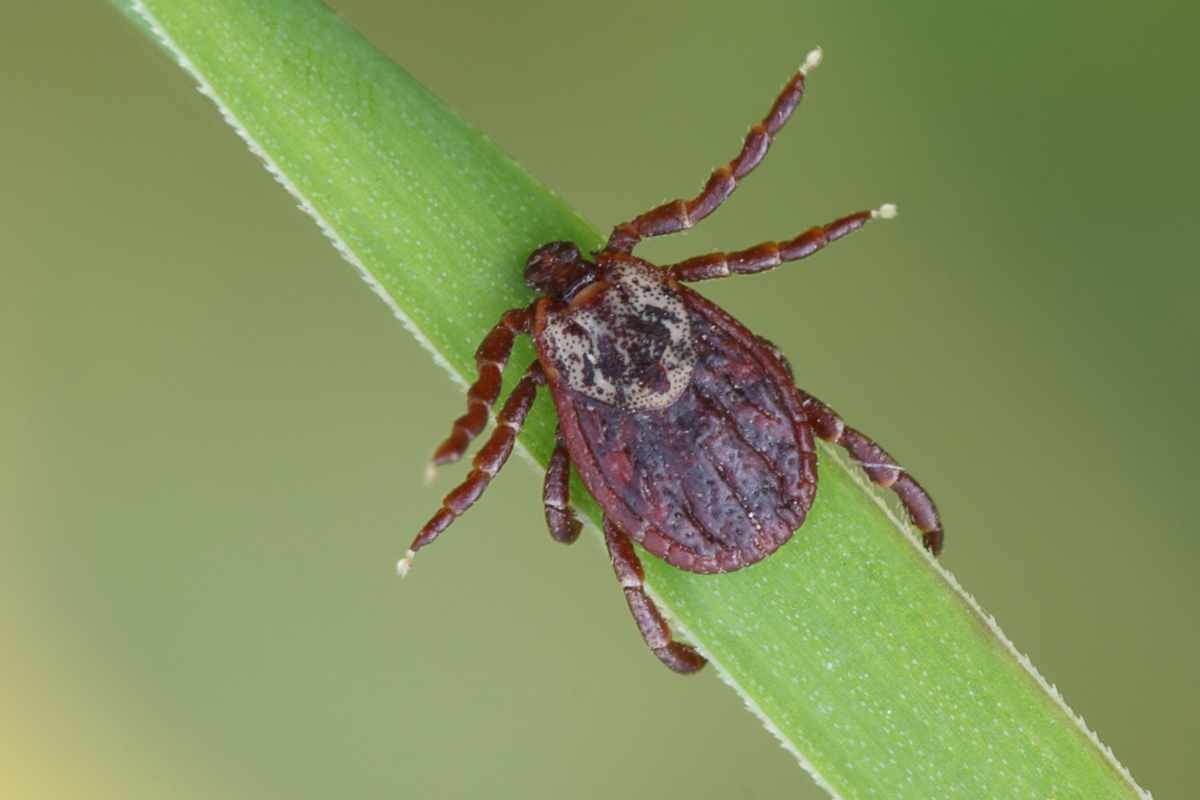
(654, 629)
(770, 255)
(678, 215)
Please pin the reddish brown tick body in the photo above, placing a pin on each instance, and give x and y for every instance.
(686, 427)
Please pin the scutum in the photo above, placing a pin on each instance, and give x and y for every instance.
(630, 346)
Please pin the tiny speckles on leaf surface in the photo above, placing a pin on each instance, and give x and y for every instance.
(863, 657)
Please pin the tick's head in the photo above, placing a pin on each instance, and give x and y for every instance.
(557, 270)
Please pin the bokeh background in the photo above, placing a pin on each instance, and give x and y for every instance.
(213, 434)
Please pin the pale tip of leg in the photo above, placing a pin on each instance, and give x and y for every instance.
(405, 564)
(885, 211)
(812, 61)
(430, 473)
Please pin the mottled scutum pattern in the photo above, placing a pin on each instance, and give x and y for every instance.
(630, 346)
(720, 478)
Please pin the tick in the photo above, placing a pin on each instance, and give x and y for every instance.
(687, 428)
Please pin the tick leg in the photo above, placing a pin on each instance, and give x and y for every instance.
(880, 468)
(678, 215)
(650, 622)
(769, 255)
(488, 461)
(556, 495)
(490, 358)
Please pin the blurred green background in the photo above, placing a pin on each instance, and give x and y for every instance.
(214, 434)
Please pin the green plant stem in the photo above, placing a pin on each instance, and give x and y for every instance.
(858, 651)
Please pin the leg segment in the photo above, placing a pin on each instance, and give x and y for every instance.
(678, 215)
(769, 255)
(679, 657)
(491, 357)
(488, 461)
(556, 495)
(880, 467)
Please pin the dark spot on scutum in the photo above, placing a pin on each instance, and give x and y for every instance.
(589, 371)
(655, 379)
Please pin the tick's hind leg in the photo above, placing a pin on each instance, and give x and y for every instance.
(880, 468)
(656, 632)
(490, 358)
(488, 461)
(677, 215)
(556, 495)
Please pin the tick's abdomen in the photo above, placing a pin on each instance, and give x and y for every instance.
(722, 476)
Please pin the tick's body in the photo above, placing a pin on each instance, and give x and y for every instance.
(686, 427)
(710, 463)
